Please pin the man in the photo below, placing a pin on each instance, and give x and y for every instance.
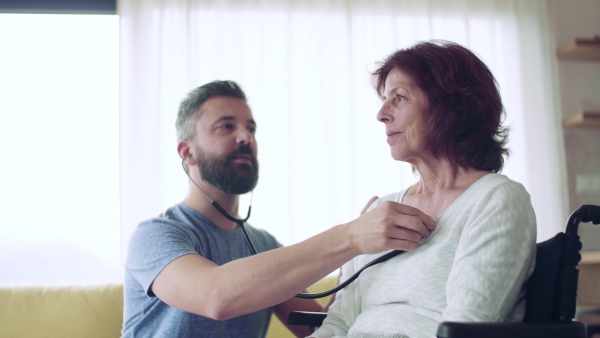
(190, 273)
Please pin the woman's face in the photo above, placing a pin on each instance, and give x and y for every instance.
(404, 112)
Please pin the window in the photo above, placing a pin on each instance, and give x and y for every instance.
(59, 125)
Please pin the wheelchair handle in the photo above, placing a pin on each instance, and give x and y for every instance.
(590, 213)
(586, 213)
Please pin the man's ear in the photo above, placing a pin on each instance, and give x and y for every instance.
(183, 148)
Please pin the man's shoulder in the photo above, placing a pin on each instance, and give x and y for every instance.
(263, 235)
(172, 220)
(177, 216)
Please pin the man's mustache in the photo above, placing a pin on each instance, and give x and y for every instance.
(242, 150)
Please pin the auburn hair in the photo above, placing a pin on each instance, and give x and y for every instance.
(465, 107)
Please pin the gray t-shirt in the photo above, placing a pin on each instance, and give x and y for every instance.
(157, 242)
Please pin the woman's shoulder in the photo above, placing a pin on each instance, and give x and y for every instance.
(494, 194)
(498, 183)
(498, 194)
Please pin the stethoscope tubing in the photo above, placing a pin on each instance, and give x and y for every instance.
(242, 224)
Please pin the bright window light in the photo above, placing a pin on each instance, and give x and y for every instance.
(59, 134)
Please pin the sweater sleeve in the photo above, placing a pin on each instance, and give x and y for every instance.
(494, 257)
(343, 311)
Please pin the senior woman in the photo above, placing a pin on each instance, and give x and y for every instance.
(443, 113)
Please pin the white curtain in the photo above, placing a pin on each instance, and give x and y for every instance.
(305, 68)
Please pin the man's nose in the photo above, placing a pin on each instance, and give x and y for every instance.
(244, 136)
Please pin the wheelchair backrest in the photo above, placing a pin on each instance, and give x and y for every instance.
(552, 288)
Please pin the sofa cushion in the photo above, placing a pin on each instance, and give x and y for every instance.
(91, 311)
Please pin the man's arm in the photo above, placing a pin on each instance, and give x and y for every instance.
(197, 285)
(332, 298)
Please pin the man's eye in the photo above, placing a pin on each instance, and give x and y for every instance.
(226, 126)
(399, 97)
(252, 130)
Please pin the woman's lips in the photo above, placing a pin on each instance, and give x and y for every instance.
(392, 135)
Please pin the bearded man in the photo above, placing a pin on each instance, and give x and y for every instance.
(190, 272)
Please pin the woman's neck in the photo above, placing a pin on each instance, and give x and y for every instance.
(438, 187)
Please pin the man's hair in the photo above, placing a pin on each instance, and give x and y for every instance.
(188, 112)
(465, 108)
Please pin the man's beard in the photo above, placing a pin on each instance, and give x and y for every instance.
(227, 176)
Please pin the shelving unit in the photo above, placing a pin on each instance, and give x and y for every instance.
(580, 49)
(585, 119)
(590, 257)
(589, 275)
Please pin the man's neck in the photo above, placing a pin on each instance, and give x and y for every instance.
(197, 201)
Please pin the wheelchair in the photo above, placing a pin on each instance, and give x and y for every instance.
(550, 300)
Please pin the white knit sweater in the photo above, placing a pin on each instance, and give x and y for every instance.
(471, 268)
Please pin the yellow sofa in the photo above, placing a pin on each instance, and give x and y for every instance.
(86, 312)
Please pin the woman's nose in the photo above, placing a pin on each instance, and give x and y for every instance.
(383, 115)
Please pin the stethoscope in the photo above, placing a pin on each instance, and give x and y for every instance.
(242, 224)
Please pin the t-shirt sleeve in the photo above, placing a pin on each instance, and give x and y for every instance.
(154, 245)
(494, 257)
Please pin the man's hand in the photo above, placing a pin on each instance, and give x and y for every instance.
(390, 225)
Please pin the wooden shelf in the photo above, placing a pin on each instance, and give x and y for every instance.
(585, 119)
(590, 257)
(580, 49)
